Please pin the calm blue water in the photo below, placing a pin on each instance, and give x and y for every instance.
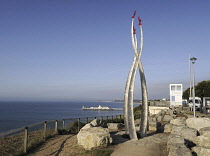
(19, 114)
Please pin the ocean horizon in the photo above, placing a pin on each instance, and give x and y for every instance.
(16, 114)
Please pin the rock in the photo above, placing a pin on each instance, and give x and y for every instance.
(162, 112)
(94, 137)
(171, 112)
(159, 118)
(153, 126)
(95, 123)
(189, 133)
(137, 122)
(205, 131)
(179, 150)
(177, 129)
(160, 129)
(189, 116)
(198, 123)
(168, 128)
(203, 141)
(185, 132)
(178, 121)
(167, 118)
(147, 146)
(154, 119)
(150, 118)
(89, 125)
(200, 151)
(115, 126)
(173, 138)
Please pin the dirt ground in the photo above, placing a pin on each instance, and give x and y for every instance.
(66, 145)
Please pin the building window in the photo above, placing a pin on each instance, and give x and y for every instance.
(178, 88)
(173, 88)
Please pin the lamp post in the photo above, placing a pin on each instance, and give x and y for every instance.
(193, 59)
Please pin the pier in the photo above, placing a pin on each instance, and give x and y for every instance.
(101, 108)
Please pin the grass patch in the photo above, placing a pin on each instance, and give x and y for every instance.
(73, 127)
(14, 145)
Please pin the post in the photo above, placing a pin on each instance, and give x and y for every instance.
(102, 119)
(26, 140)
(63, 123)
(45, 130)
(193, 59)
(56, 126)
(87, 120)
(95, 118)
(78, 124)
(116, 119)
(193, 91)
(107, 117)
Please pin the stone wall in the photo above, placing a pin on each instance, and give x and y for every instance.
(188, 135)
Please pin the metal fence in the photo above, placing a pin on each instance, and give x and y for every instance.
(19, 141)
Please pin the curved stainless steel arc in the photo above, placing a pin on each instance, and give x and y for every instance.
(129, 90)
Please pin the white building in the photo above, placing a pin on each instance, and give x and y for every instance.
(176, 92)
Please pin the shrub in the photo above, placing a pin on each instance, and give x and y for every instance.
(73, 126)
(137, 112)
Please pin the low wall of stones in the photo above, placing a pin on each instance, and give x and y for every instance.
(189, 136)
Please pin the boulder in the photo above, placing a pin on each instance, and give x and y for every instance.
(185, 132)
(189, 116)
(95, 123)
(198, 123)
(179, 150)
(159, 118)
(177, 129)
(203, 141)
(153, 126)
(200, 151)
(167, 118)
(168, 128)
(89, 125)
(137, 122)
(171, 112)
(94, 137)
(205, 131)
(115, 126)
(161, 113)
(160, 129)
(174, 139)
(189, 133)
(178, 121)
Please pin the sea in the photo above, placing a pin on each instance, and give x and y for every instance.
(21, 114)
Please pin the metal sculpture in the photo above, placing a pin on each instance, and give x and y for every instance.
(129, 89)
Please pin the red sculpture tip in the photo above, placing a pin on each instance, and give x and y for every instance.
(134, 14)
(139, 21)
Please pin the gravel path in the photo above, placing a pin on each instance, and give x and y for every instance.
(60, 145)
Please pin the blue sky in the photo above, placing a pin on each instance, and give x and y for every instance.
(67, 50)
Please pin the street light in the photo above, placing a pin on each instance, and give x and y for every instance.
(193, 59)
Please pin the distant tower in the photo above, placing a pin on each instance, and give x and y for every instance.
(175, 95)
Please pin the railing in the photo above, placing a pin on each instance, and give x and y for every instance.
(19, 141)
